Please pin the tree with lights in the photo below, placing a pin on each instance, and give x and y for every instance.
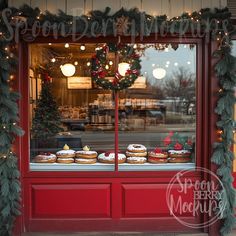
(47, 120)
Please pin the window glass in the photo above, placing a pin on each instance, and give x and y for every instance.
(72, 119)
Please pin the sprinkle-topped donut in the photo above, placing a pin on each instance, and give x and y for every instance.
(136, 160)
(86, 153)
(136, 148)
(66, 152)
(45, 158)
(109, 157)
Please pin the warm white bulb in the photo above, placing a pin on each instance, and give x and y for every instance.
(67, 45)
(159, 73)
(88, 63)
(76, 63)
(68, 69)
(110, 63)
(82, 47)
(107, 67)
(123, 67)
(53, 59)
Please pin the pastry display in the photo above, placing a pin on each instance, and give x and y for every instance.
(65, 160)
(136, 148)
(86, 153)
(66, 152)
(158, 156)
(136, 154)
(45, 158)
(179, 156)
(85, 161)
(136, 160)
(109, 157)
(180, 148)
(86, 156)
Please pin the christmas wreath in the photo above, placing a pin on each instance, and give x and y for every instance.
(99, 72)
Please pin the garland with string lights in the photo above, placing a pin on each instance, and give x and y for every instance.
(9, 173)
(99, 62)
(220, 30)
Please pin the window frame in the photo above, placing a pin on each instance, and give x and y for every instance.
(201, 95)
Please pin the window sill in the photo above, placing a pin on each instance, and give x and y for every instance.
(110, 167)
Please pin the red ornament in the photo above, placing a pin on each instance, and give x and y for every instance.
(167, 141)
(178, 146)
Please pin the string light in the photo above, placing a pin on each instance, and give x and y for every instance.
(67, 45)
(82, 47)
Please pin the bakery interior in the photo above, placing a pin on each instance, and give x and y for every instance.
(162, 100)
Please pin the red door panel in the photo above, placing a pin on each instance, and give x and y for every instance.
(150, 200)
(71, 200)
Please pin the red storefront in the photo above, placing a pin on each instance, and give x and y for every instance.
(110, 196)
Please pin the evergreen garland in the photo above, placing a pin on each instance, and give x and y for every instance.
(99, 73)
(222, 156)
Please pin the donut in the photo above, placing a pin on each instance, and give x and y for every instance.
(180, 160)
(45, 158)
(65, 160)
(85, 161)
(179, 156)
(136, 148)
(156, 160)
(157, 156)
(179, 153)
(109, 157)
(136, 160)
(66, 152)
(136, 154)
(86, 154)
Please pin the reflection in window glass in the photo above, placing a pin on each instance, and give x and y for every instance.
(72, 119)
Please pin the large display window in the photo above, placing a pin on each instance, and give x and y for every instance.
(72, 119)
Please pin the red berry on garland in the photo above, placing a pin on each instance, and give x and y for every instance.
(189, 142)
(178, 146)
(171, 133)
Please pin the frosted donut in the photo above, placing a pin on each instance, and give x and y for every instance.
(180, 159)
(136, 148)
(45, 158)
(66, 153)
(157, 156)
(110, 158)
(136, 154)
(136, 160)
(65, 160)
(85, 161)
(179, 153)
(156, 160)
(86, 154)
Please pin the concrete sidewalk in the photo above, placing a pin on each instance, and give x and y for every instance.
(120, 234)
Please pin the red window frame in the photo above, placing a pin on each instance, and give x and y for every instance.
(203, 106)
